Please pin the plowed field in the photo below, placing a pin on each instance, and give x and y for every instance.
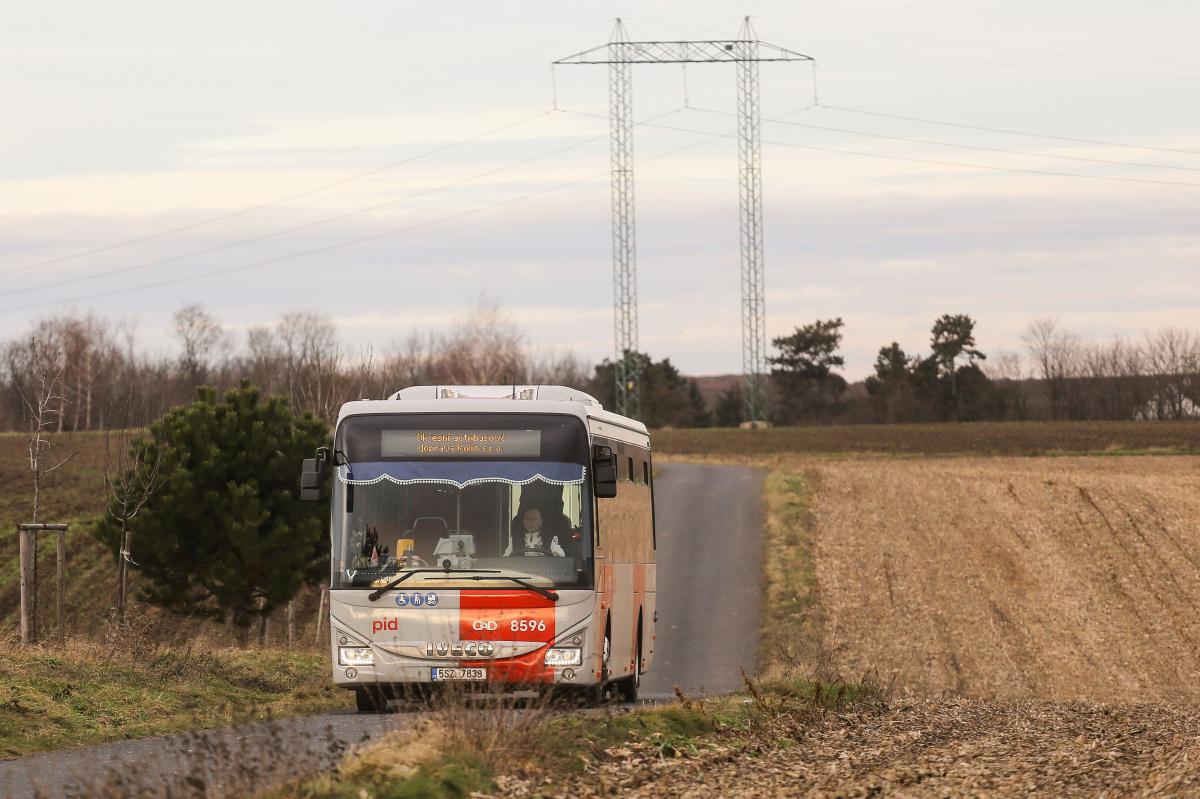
(1062, 579)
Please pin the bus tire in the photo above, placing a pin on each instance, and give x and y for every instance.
(628, 687)
(370, 700)
(601, 690)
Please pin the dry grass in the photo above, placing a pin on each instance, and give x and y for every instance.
(790, 644)
(456, 745)
(979, 438)
(95, 691)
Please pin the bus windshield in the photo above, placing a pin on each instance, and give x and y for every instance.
(505, 495)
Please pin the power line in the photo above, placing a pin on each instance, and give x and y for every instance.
(300, 227)
(990, 63)
(1009, 131)
(359, 111)
(958, 145)
(951, 59)
(361, 240)
(990, 167)
(277, 201)
(288, 165)
(953, 43)
(314, 223)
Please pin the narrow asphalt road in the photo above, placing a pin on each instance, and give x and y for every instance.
(709, 523)
(709, 554)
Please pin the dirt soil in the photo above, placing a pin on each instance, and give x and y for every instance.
(1046, 578)
(924, 748)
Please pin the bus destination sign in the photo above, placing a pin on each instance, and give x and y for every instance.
(461, 443)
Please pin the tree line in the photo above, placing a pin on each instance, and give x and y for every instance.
(1060, 376)
(107, 380)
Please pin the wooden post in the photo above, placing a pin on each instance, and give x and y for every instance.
(62, 583)
(28, 556)
(321, 610)
(262, 622)
(291, 622)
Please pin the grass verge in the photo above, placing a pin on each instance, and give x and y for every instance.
(454, 753)
(790, 641)
(87, 693)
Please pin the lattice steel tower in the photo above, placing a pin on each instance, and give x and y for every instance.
(746, 52)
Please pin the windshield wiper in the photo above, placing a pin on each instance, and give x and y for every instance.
(378, 592)
(537, 589)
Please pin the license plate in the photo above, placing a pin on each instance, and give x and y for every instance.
(442, 673)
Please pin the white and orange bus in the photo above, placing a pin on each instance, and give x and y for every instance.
(488, 534)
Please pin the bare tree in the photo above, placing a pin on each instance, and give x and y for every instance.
(1054, 353)
(1005, 365)
(43, 405)
(1173, 361)
(560, 369)
(301, 356)
(201, 338)
(133, 473)
(264, 362)
(483, 347)
(316, 370)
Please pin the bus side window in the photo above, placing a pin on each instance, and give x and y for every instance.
(646, 472)
(629, 473)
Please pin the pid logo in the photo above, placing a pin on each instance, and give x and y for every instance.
(416, 600)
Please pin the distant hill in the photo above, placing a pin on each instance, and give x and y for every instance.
(711, 387)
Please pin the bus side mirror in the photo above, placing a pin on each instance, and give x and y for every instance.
(312, 476)
(604, 472)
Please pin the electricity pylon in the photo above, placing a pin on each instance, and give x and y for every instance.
(746, 52)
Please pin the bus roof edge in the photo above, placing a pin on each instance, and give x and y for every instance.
(514, 392)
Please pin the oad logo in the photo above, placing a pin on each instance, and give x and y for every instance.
(479, 625)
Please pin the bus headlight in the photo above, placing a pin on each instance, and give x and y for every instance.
(561, 656)
(356, 656)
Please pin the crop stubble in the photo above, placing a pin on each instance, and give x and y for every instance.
(1062, 579)
(916, 747)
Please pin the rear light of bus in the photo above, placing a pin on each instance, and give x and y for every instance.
(356, 656)
(559, 656)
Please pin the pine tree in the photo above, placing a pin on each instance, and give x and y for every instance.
(803, 371)
(226, 536)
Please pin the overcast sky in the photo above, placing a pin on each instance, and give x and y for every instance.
(429, 131)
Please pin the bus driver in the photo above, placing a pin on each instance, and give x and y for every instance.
(534, 542)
